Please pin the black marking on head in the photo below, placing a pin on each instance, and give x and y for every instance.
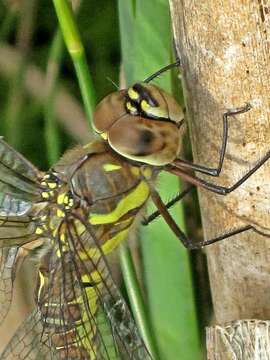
(144, 95)
(134, 104)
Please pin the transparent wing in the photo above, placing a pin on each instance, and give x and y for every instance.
(19, 182)
(108, 328)
(13, 232)
(8, 258)
(29, 342)
(16, 231)
(19, 190)
(82, 313)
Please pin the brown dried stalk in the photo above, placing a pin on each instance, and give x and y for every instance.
(224, 49)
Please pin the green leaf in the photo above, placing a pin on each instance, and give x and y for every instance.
(147, 45)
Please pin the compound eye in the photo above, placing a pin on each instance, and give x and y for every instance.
(136, 138)
(109, 110)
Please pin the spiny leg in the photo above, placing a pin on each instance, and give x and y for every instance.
(215, 171)
(221, 190)
(168, 205)
(187, 242)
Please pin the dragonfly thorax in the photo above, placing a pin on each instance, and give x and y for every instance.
(90, 199)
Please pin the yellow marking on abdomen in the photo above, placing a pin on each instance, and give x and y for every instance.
(107, 247)
(133, 200)
(111, 244)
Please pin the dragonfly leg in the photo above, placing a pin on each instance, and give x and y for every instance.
(162, 70)
(221, 190)
(214, 171)
(227, 235)
(168, 205)
(167, 217)
(187, 242)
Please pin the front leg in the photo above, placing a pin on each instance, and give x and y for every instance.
(214, 171)
(187, 242)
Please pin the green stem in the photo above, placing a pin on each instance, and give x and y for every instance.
(76, 50)
(136, 299)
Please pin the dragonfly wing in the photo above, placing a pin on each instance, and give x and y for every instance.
(8, 258)
(69, 305)
(103, 309)
(81, 314)
(29, 341)
(14, 232)
(19, 182)
(19, 190)
(84, 314)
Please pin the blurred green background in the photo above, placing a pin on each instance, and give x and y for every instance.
(31, 35)
(41, 115)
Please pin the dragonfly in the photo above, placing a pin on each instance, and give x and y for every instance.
(73, 217)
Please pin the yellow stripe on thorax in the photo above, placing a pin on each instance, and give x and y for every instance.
(134, 199)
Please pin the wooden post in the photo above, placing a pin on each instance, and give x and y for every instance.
(224, 48)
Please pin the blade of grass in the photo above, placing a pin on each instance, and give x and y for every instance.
(135, 296)
(167, 268)
(76, 50)
(126, 11)
(126, 19)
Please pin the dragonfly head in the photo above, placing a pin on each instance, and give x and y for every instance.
(141, 123)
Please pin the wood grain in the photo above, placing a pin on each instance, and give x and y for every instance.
(224, 47)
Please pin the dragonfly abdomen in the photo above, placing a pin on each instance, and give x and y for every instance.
(62, 305)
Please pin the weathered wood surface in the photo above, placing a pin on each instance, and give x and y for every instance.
(224, 47)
